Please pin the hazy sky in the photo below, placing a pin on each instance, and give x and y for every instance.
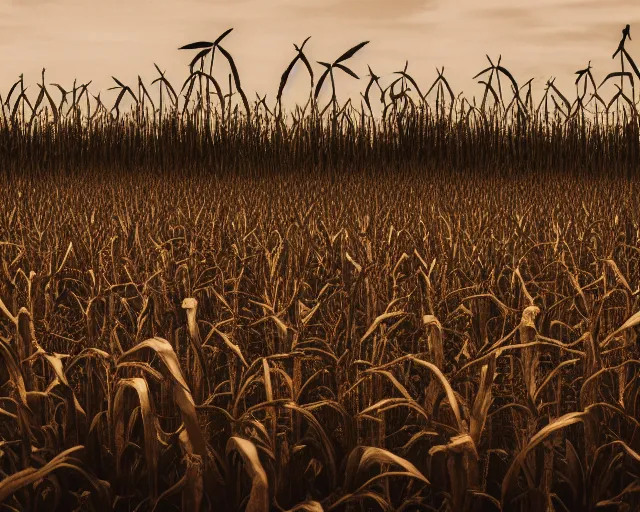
(92, 39)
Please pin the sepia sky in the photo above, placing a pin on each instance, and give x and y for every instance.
(92, 40)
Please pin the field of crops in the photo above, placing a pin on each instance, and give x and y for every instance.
(211, 309)
(293, 343)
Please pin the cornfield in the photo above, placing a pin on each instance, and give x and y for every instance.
(219, 306)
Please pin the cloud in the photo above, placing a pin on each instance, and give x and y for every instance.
(367, 10)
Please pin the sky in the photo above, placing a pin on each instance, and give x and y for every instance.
(93, 39)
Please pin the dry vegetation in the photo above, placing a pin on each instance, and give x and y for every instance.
(260, 339)
(209, 123)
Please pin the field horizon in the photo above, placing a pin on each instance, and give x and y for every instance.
(209, 123)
